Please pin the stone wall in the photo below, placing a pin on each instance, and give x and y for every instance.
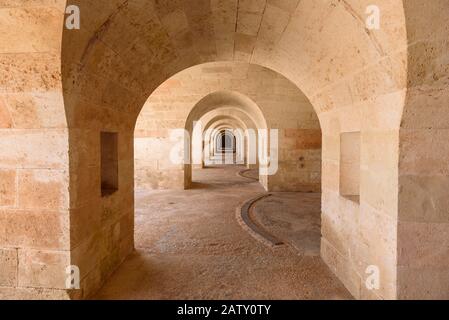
(423, 227)
(34, 168)
(358, 80)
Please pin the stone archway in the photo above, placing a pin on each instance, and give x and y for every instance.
(223, 100)
(225, 141)
(337, 94)
(245, 122)
(169, 106)
(357, 81)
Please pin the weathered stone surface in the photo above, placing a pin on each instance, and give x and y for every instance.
(389, 84)
(14, 293)
(43, 269)
(36, 229)
(8, 267)
(8, 185)
(43, 189)
(34, 149)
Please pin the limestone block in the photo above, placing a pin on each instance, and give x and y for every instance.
(88, 254)
(429, 63)
(424, 152)
(379, 189)
(331, 177)
(308, 139)
(249, 23)
(91, 283)
(5, 116)
(43, 269)
(36, 110)
(84, 222)
(378, 231)
(244, 44)
(88, 185)
(423, 245)
(341, 267)
(30, 72)
(36, 229)
(84, 148)
(34, 149)
(287, 5)
(377, 81)
(379, 149)
(333, 230)
(126, 245)
(43, 189)
(422, 283)
(423, 199)
(2, 229)
(8, 188)
(435, 114)
(14, 293)
(273, 24)
(41, 29)
(331, 147)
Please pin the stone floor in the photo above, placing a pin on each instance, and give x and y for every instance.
(190, 246)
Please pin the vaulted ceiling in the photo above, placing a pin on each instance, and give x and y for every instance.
(129, 47)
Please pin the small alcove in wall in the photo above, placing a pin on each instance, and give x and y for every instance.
(109, 163)
(350, 165)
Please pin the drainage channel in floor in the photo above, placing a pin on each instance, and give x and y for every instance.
(245, 220)
(290, 218)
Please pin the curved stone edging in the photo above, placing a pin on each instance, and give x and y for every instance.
(241, 174)
(244, 219)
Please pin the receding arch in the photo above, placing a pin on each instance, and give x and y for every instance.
(246, 122)
(172, 99)
(214, 123)
(236, 135)
(214, 102)
(226, 99)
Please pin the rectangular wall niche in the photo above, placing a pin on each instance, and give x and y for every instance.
(350, 165)
(109, 163)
